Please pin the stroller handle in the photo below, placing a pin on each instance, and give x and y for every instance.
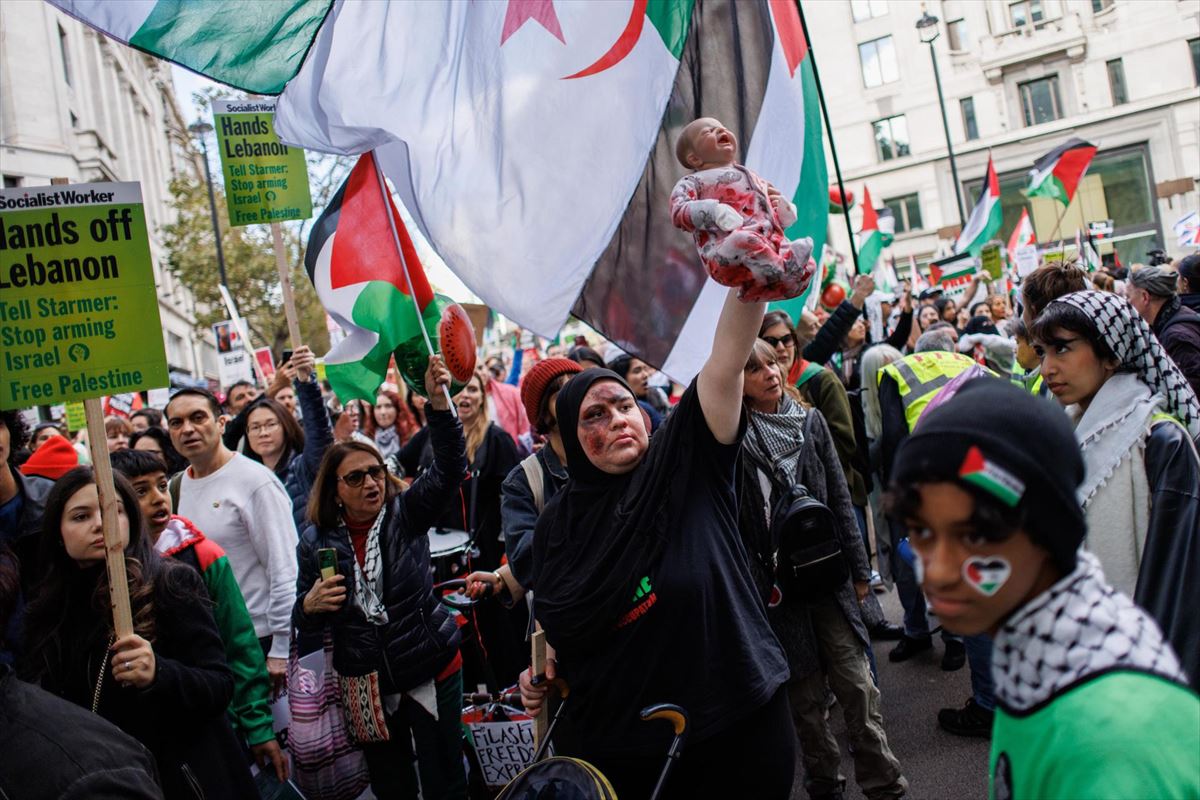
(671, 713)
(456, 585)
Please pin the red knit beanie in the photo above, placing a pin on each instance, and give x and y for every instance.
(534, 384)
(52, 460)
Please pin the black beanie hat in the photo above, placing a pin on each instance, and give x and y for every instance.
(1015, 447)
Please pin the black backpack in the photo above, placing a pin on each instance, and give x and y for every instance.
(808, 556)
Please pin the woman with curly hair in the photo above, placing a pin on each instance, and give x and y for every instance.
(394, 423)
(166, 684)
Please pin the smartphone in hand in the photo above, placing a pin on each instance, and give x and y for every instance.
(327, 559)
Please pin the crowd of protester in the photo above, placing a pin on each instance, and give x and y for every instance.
(663, 538)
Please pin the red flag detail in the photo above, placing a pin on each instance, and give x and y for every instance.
(790, 32)
(363, 247)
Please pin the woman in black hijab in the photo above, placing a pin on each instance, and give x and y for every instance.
(645, 593)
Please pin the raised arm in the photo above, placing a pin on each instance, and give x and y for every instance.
(720, 382)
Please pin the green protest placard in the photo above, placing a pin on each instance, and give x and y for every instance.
(76, 421)
(992, 260)
(265, 180)
(77, 298)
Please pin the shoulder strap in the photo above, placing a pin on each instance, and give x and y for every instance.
(809, 372)
(1162, 416)
(173, 489)
(533, 473)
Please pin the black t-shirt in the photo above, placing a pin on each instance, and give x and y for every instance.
(695, 633)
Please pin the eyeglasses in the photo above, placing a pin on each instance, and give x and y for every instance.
(354, 478)
(266, 427)
(787, 340)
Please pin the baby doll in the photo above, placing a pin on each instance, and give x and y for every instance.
(737, 218)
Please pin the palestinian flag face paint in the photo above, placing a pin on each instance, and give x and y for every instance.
(986, 574)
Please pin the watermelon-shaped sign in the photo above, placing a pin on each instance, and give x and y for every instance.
(835, 200)
(451, 334)
(832, 296)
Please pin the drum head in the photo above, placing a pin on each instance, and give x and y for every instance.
(444, 541)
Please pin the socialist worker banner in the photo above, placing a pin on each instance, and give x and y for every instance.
(77, 297)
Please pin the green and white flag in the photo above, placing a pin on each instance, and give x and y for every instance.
(254, 45)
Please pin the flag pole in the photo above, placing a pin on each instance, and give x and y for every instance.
(387, 210)
(837, 169)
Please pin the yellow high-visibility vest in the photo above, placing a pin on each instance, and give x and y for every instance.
(922, 375)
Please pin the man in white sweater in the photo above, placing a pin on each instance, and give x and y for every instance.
(242, 506)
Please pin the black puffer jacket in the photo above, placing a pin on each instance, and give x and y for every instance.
(1178, 328)
(420, 637)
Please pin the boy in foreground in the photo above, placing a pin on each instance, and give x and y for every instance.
(1090, 701)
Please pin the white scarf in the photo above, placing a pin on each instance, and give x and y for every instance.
(1112, 436)
(368, 579)
(1078, 627)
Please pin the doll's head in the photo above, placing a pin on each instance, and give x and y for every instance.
(706, 143)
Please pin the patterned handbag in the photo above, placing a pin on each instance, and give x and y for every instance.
(326, 764)
(363, 706)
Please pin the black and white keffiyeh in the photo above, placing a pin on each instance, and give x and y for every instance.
(1134, 343)
(1081, 626)
(777, 440)
(368, 579)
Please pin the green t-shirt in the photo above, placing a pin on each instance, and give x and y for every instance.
(1122, 735)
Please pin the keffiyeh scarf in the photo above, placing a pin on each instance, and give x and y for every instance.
(1134, 343)
(368, 579)
(1078, 627)
(777, 440)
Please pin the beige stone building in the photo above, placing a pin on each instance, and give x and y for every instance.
(1019, 78)
(78, 105)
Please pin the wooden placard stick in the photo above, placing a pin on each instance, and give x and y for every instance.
(285, 283)
(114, 549)
(538, 667)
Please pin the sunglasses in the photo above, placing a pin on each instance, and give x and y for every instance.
(354, 478)
(787, 340)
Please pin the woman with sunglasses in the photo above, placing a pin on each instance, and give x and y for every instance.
(379, 605)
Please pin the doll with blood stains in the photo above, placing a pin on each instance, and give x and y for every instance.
(736, 218)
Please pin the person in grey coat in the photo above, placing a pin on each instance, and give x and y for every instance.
(826, 641)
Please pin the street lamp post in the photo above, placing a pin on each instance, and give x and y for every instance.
(927, 29)
(200, 129)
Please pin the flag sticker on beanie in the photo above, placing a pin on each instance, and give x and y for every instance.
(991, 477)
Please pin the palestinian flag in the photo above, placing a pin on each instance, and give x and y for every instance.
(887, 225)
(1057, 174)
(986, 217)
(1022, 236)
(352, 261)
(254, 45)
(870, 238)
(954, 274)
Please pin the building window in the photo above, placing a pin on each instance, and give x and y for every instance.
(906, 211)
(1025, 12)
(1195, 45)
(1101, 5)
(867, 9)
(891, 138)
(66, 58)
(1040, 100)
(970, 127)
(878, 60)
(1116, 82)
(956, 33)
(11, 182)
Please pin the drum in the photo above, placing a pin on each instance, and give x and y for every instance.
(448, 553)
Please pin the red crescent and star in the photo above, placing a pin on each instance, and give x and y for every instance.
(542, 11)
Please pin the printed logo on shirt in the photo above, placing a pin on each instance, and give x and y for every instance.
(644, 599)
(1002, 778)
